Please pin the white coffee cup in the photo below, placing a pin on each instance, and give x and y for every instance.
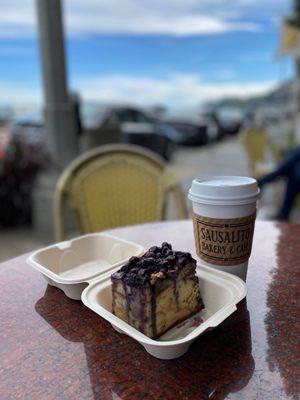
(224, 211)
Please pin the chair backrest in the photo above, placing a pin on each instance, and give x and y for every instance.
(256, 144)
(115, 185)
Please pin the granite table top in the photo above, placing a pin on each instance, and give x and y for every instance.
(56, 348)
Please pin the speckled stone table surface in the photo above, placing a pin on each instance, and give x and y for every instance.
(55, 348)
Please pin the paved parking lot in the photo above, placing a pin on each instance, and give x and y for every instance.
(223, 158)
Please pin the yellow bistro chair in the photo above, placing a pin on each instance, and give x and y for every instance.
(256, 145)
(115, 185)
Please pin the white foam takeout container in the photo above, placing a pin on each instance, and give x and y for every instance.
(72, 264)
(220, 291)
(82, 267)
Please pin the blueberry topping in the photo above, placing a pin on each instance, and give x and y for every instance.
(183, 261)
(165, 264)
(133, 260)
(134, 270)
(125, 268)
(153, 249)
(189, 256)
(166, 252)
(118, 275)
(141, 271)
(136, 280)
(150, 254)
(140, 263)
(171, 259)
(149, 261)
(138, 270)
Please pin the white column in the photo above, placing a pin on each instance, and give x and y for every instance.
(60, 119)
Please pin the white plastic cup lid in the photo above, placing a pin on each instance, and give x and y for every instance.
(224, 190)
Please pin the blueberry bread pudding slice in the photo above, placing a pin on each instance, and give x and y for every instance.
(156, 291)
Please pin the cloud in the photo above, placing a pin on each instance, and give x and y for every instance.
(19, 93)
(181, 93)
(17, 18)
(157, 25)
(148, 17)
(224, 74)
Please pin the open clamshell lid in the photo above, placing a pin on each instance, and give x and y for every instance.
(83, 258)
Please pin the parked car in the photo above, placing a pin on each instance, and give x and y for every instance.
(133, 125)
(230, 119)
(211, 121)
(29, 132)
(148, 135)
(188, 133)
(196, 131)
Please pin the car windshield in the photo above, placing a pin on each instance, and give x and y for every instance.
(128, 115)
(93, 113)
(230, 113)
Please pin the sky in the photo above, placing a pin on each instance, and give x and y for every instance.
(181, 53)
